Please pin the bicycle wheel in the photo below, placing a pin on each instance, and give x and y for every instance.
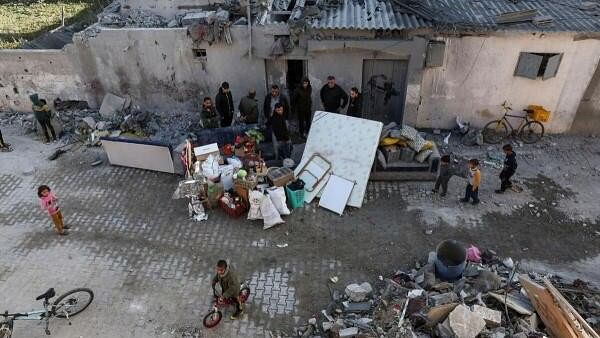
(244, 294)
(531, 132)
(73, 302)
(495, 131)
(212, 319)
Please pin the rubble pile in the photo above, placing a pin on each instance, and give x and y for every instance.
(118, 17)
(488, 299)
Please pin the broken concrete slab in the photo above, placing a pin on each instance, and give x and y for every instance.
(465, 323)
(492, 317)
(348, 332)
(197, 17)
(444, 298)
(90, 122)
(358, 293)
(353, 307)
(111, 105)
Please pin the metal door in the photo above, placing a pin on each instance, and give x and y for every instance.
(384, 90)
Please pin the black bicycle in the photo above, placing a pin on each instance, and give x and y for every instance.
(529, 131)
(65, 306)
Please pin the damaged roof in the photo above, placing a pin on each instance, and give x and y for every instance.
(367, 14)
(525, 15)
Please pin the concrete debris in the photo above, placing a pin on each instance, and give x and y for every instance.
(112, 105)
(204, 17)
(131, 18)
(358, 293)
(465, 323)
(401, 306)
(491, 317)
(90, 122)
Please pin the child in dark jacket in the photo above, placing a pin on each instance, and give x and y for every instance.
(444, 176)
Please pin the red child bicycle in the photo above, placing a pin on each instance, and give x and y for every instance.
(214, 316)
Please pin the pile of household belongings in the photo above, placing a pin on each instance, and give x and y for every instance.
(402, 144)
(489, 298)
(235, 179)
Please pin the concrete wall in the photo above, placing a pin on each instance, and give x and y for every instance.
(168, 8)
(477, 77)
(344, 60)
(157, 67)
(50, 73)
(587, 119)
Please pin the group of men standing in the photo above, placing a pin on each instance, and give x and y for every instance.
(221, 113)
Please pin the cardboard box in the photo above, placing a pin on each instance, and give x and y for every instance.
(202, 152)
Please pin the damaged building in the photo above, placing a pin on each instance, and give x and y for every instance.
(420, 63)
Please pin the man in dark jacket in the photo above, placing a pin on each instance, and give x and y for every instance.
(230, 286)
(355, 104)
(278, 124)
(271, 100)
(333, 97)
(224, 104)
(302, 103)
(249, 108)
(509, 169)
(3, 145)
(208, 115)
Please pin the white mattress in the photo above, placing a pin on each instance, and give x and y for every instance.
(138, 154)
(349, 143)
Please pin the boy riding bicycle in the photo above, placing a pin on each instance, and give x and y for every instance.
(230, 286)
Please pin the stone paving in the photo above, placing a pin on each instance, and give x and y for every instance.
(150, 266)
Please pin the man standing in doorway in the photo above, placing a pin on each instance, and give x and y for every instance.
(355, 104)
(333, 97)
(224, 104)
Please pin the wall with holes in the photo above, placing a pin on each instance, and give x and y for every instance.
(50, 73)
(478, 76)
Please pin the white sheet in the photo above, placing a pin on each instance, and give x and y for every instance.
(139, 155)
(336, 194)
(349, 143)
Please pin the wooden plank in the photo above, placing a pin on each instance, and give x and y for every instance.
(567, 307)
(514, 303)
(551, 314)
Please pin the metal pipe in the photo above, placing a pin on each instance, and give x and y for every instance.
(249, 30)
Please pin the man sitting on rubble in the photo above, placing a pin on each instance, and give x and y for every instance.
(209, 116)
(230, 286)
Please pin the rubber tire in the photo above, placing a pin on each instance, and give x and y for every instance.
(492, 124)
(65, 295)
(246, 291)
(532, 123)
(207, 317)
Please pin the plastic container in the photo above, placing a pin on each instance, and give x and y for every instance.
(538, 113)
(295, 197)
(450, 261)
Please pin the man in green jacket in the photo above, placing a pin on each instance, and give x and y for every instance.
(230, 286)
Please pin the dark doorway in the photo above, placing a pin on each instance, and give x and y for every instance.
(384, 90)
(295, 72)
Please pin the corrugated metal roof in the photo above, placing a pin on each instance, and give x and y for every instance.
(367, 14)
(477, 14)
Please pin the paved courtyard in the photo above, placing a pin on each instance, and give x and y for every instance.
(150, 266)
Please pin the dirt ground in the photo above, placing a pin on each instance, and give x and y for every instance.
(150, 266)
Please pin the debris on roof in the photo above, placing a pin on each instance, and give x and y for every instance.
(517, 16)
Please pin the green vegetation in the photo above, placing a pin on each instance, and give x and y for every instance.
(24, 20)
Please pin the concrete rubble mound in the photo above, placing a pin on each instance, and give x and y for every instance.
(116, 16)
(489, 299)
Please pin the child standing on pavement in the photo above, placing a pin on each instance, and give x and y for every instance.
(49, 203)
(509, 169)
(444, 176)
(472, 190)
